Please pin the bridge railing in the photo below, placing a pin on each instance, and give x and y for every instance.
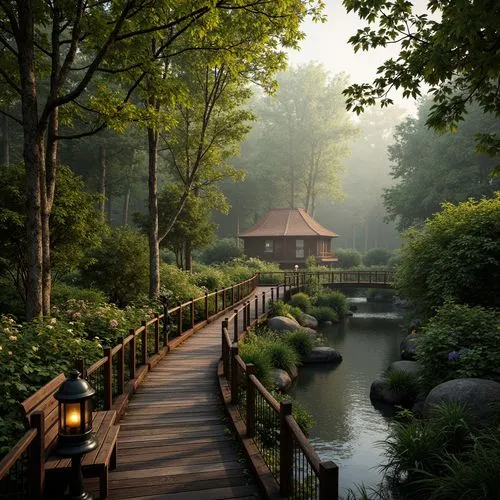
(285, 449)
(120, 371)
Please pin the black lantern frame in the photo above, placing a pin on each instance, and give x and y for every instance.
(75, 416)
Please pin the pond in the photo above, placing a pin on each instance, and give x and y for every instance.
(347, 426)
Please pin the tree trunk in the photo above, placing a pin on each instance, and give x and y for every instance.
(6, 142)
(188, 259)
(102, 179)
(126, 204)
(154, 240)
(33, 159)
(47, 184)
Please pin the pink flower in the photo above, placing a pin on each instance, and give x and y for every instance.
(76, 315)
(113, 323)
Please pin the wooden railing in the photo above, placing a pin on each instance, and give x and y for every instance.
(285, 449)
(300, 278)
(123, 368)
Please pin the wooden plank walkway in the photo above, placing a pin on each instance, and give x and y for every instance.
(174, 442)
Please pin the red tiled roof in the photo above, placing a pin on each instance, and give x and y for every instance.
(287, 222)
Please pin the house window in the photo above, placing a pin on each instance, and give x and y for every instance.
(299, 249)
(268, 246)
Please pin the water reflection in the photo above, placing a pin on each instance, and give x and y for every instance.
(347, 425)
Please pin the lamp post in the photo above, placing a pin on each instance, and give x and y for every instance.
(297, 276)
(75, 436)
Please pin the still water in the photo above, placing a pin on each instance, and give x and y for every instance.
(347, 425)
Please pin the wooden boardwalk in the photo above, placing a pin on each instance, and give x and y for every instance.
(174, 442)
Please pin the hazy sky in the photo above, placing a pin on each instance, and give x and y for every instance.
(327, 43)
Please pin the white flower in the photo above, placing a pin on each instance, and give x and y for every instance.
(13, 338)
(10, 353)
(50, 327)
(35, 348)
(70, 330)
(1, 347)
(78, 340)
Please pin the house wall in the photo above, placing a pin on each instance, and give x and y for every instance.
(284, 249)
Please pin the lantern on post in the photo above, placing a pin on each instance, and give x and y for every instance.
(296, 267)
(75, 436)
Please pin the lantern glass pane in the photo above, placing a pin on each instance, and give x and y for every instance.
(72, 418)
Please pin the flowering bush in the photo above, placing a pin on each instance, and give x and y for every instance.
(460, 341)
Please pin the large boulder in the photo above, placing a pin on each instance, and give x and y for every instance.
(282, 324)
(380, 391)
(323, 355)
(408, 348)
(309, 321)
(281, 379)
(475, 393)
(405, 366)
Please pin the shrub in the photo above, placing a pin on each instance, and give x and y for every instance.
(403, 384)
(324, 314)
(296, 313)
(120, 268)
(252, 352)
(210, 278)
(223, 250)
(348, 257)
(377, 257)
(302, 301)
(178, 284)
(460, 341)
(282, 355)
(300, 341)
(335, 300)
(62, 292)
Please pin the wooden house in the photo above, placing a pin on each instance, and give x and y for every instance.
(289, 237)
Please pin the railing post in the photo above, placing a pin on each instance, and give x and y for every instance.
(120, 367)
(179, 320)
(256, 305)
(157, 333)
(277, 292)
(286, 450)
(245, 319)
(207, 315)
(250, 401)
(249, 314)
(132, 354)
(225, 351)
(232, 295)
(235, 374)
(108, 379)
(36, 458)
(144, 342)
(224, 298)
(80, 366)
(192, 313)
(236, 329)
(328, 481)
(263, 302)
(216, 301)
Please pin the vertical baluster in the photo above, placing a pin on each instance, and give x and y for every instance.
(236, 330)
(286, 450)
(256, 304)
(108, 379)
(120, 367)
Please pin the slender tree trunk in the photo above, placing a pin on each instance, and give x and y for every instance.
(47, 201)
(6, 142)
(188, 259)
(33, 159)
(154, 241)
(126, 204)
(102, 179)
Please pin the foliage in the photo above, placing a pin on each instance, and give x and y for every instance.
(177, 284)
(210, 278)
(120, 267)
(280, 308)
(300, 341)
(334, 300)
(252, 352)
(460, 341)
(297, 313)
(282, 355)
(30, 355)
(302, 416)
(244, 268)
(76, 225)
(429, 56)
(450, 170)
(403, 384)
(62, 293)
(456, 254)
(301, 300)
(376, 257)
(324, 314)
(222, 250)
(348, 257)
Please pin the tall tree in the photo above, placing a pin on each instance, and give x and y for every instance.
(452, 47)
(432, 168)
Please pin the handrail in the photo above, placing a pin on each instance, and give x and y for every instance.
(16, 452)
(296, 458)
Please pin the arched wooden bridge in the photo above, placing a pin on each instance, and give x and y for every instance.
(175, 440)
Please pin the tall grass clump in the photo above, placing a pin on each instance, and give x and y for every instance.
(302, 301)
(405, 385)
(335, 300)
(300, 341)
(252, 352)
(324, 314)
(282, 355)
